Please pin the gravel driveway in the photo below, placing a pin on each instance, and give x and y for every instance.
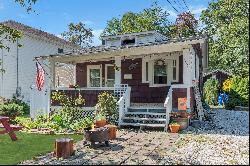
(224, 140)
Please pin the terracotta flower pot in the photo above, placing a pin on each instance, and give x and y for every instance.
(174, 128)
(184, 122)
(100, 123)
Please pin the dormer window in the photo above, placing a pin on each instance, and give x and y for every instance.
(128, 41)
(103, 42)
(60, 50)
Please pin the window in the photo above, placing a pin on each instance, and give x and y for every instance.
(160, 72)
(128, 41)
(110, 75)
(60, 50)
(103, 42)
(94, 76)
(146, 71)
(174, 70)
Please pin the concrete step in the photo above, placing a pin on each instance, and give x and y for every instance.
(145, 119)
(144, 113)
(142, 124)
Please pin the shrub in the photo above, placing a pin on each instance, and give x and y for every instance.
(211, 91)
(26, 107)
(107, 103)
(11, 110)
(13, 107)
(238, 92)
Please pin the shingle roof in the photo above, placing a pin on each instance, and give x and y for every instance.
(103, 48)
(39, 33)
(215, 71)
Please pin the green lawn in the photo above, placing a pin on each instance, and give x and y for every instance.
(27, 146)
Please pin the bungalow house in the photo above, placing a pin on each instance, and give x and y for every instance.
(20, 69)
(147, 71)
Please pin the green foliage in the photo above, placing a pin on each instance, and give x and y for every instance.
(25, 106)
(153, 18)
(11, 110)
(78, 34)
(67, 101)
(28, 4)
(238, 94)
(211, 91)
(227, 25)
(107, 104)
(100, 116)
(9, 35)
(13, 107)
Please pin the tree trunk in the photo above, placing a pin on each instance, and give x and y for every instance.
(63, 147)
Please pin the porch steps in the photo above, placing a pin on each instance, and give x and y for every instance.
(144, 119)
(142, 125)
(145, 115)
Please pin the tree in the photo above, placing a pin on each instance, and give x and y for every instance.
(153, 18)
(78, 34)
(227, 25)
(12, 35)
(186, 24)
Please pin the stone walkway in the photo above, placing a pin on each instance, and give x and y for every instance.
(130, 147)
(224, 140)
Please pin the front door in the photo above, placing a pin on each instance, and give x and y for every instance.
(94, 76)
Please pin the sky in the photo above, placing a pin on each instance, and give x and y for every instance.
(53, 16)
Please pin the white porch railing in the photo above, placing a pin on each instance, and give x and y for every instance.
(168, 105)
(122, 91)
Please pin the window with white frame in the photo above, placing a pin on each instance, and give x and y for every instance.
(94, 76)
(109, 75)
(160, 72)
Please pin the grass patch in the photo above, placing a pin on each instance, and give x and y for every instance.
(27, 146)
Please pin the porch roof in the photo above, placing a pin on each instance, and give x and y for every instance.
(102, 52)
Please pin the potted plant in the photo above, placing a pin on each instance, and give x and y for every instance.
(174, 127)
(100, 119)
(88, 123)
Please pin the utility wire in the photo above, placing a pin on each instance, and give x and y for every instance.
(185, 4)
(173, 6)
(179, 5)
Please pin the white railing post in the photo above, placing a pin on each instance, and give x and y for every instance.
(122, 91)
(168, 105)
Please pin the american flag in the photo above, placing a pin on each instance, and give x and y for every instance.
(39, 76)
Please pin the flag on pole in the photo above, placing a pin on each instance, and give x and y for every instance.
(39, 76)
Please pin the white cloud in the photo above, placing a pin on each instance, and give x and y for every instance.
(197, 9)
(96, 40)
(60, 36)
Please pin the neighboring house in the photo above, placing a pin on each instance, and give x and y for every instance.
(146, 71)
(19, 63)
(220, 75)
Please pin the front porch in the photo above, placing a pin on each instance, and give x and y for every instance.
(156, 74)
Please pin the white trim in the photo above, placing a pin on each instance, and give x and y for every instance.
(106, 73)
(88, 73)
(84, 88)
(118, 72)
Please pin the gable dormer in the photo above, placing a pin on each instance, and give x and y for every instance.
(133, 39)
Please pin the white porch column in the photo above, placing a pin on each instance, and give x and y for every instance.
(118, 72)
(188, 70)
(52, 74)
(188, 66)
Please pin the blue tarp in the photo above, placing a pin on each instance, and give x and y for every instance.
(222, 98)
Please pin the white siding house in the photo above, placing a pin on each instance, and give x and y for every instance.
(19, 63)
